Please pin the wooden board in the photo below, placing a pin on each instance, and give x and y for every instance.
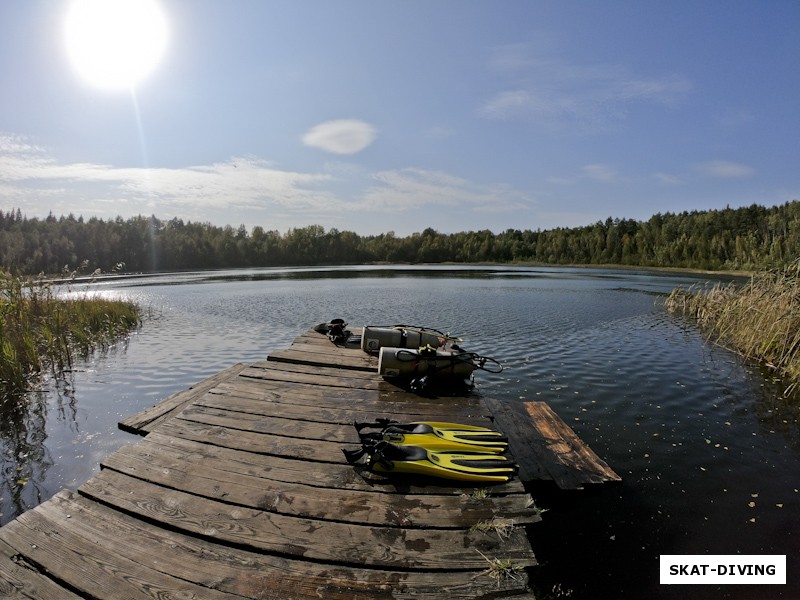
(332, 542)
(547, 448)
(214, 478)
(239, 399)
(264, 576)
(313, 348)
(310, 451)
(324, 475)
(20, 578)
(381, 402)
(73, 554)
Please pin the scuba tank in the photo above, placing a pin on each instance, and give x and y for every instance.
(400, 336)
(408, 362)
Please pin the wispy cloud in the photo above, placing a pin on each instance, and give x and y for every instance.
(17, 145)
(412, 188)
(667, 178)
(342, 190)
(241, 181)
(28, 171)
(439, 132)
(600, 172)
(341, 136)
(734, 120)
(543, 88)
(595, 173)
(725, 169)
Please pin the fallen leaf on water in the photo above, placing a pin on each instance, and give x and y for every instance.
(779, 505)
(753, 520)
(754, 495)
(751, 504)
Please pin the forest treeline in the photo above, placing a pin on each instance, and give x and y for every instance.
(748, 238)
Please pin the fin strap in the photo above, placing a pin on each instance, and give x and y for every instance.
(378, 424)
(353, 456)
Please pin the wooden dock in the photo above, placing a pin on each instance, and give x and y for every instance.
(239, 489)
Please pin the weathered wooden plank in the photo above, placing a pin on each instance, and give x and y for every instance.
(296, 355)
(21, 579)
(260, 443)
(230, 432)
(307, 451)
(547, 448)
(338, 378)
(265, 576)
(289, 470)
(311, 394)
(316, 343)
(259, 423)
(213, 478)
(321, 372)
(145, 420)
(581, 461)
(311, 335)
(221, 416)
(315, 379)
(456, 398)
(66, 550)
(334, 542)
(343, 413)
(319, 350)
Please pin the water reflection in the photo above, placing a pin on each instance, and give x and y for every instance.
(25, 456)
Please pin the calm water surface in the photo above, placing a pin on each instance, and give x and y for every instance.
(709, 454)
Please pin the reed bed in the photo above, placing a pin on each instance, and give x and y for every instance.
(760, 320)
(40, 330)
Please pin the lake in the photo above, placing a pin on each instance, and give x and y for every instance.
(708, 450)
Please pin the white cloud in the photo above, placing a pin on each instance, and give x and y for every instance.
(342, 136)
(18, 145)
(725, 169)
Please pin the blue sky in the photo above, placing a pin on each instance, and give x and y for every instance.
(401, 115)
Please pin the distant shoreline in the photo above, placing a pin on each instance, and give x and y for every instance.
(84, 279)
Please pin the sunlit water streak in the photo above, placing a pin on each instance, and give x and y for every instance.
(697, 434)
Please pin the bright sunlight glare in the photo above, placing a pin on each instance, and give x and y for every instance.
(114, 44)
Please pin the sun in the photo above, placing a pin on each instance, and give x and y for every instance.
(115, 44)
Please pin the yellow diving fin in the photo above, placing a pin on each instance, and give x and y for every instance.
(474, 467)
(435, 435)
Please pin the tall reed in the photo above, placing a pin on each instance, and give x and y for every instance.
(41, 330)
(760, 320)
